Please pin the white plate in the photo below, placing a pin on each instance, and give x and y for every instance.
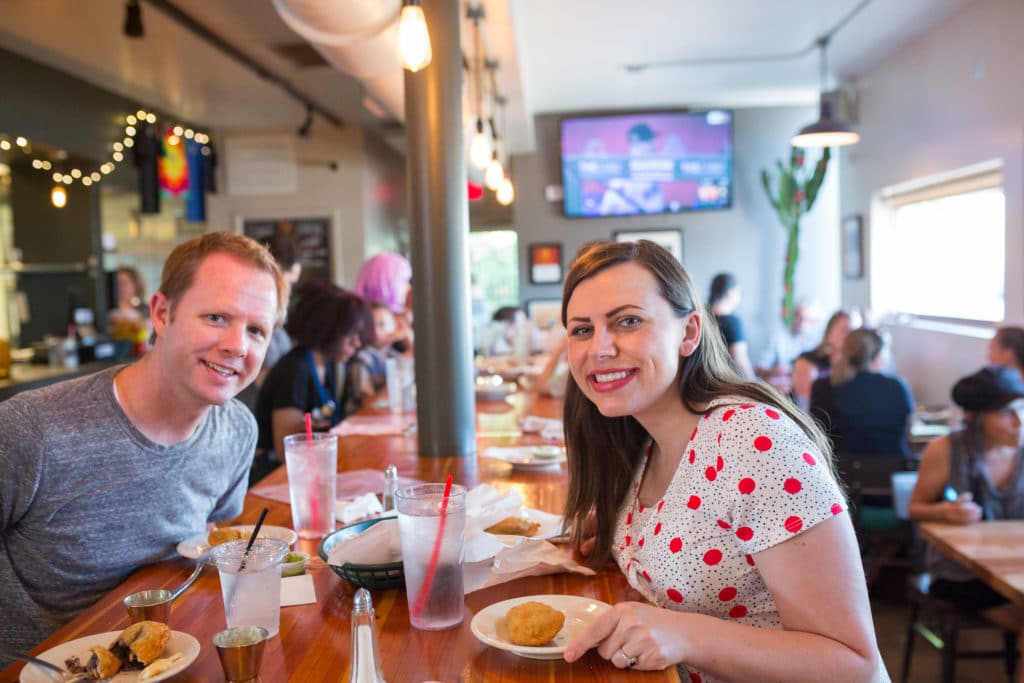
(193, 546)
(179, 642)
(523, 458)
(489, 624)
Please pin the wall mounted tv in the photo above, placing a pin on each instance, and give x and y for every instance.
(633, 164)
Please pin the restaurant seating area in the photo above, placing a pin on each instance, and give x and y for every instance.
(428, 179)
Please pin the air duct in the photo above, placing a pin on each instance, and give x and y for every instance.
(358, 38)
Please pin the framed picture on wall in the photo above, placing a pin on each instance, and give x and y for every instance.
(853, 247)
(670, 238)
(312, 237)
(545, 263)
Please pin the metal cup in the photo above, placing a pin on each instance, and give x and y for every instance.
(153, 605)
(241, 652)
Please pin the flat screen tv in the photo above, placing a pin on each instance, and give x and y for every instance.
(632, 164)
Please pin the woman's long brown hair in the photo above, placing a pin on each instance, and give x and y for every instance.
(603, 452)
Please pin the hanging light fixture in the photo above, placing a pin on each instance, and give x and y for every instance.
(826, 131)
(506, 193)
(479, 146)
(59, 196)
(494, 173)
(413, 38)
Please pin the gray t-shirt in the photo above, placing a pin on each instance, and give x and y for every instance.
(86, 498)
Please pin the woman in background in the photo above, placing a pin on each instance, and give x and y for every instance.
(328, 325)
(366, 373)
(810, 365)
(387, 279)
(972, 474)
(130, 319)
(714, 495)
(1006, 348)
(864, 411)
(724, 300)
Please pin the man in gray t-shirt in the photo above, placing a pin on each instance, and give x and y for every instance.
(103, 474)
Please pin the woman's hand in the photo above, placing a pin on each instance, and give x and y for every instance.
(963, 511)
(633, 631)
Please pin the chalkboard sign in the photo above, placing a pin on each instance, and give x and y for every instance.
(312, 241)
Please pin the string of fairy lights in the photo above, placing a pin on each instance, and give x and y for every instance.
(68, 176)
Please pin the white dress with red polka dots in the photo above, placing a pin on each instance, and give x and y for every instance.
(750, 479)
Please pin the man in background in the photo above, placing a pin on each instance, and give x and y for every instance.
(103, 474)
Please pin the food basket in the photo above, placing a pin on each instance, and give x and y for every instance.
(369, 576)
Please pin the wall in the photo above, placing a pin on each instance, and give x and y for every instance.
(951, 98)
(746, 240)
(364, 196)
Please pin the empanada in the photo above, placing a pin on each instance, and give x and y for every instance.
(533, 623)
(514, 526)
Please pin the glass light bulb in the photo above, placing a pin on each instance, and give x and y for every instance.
(480, 150)
(58, 196)
(494, 174)
(506, 193)
(413, 39)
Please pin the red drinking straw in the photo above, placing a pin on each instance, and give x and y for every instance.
(314, 502)
(421, 600)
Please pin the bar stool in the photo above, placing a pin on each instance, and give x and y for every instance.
(927, 611)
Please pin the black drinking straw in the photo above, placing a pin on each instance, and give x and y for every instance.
(252, 538)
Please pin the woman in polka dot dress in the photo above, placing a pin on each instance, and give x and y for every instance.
(715, 496)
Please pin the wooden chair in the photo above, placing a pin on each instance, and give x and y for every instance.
(884, 538)
(939, 622)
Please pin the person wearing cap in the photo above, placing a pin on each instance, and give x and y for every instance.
(974, 474)
(631, 195)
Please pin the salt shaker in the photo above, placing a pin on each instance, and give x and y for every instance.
(365, 665)
(390, 485)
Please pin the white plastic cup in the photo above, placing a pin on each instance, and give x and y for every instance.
(312, 482)
(419, 522)
(250, 583)
(393, 381)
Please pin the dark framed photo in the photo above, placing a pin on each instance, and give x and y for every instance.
(853, 247)
(670, 238)
(545, 263)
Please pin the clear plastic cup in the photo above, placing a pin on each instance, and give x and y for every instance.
(419, 523)
(312, 482)
(251, 583)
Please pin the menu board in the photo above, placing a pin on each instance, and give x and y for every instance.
(312, 241)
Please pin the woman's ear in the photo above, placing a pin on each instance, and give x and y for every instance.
(692, 328)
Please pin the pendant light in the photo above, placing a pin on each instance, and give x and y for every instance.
(494, 173)
(479, 146)
(826, 131)
(413, 38)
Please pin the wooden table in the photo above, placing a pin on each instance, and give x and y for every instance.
(314, 640)
(993, 551)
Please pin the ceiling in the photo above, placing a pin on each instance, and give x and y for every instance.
(569, 55)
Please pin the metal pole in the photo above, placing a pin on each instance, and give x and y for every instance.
(439, 228)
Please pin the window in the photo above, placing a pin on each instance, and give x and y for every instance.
(494, 269)
(939, 246)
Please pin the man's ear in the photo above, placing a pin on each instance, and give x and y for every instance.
(691, 334)
(159, 312)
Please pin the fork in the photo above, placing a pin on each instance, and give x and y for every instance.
(66, 677)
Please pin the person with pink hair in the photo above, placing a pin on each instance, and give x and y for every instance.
(387, 279)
